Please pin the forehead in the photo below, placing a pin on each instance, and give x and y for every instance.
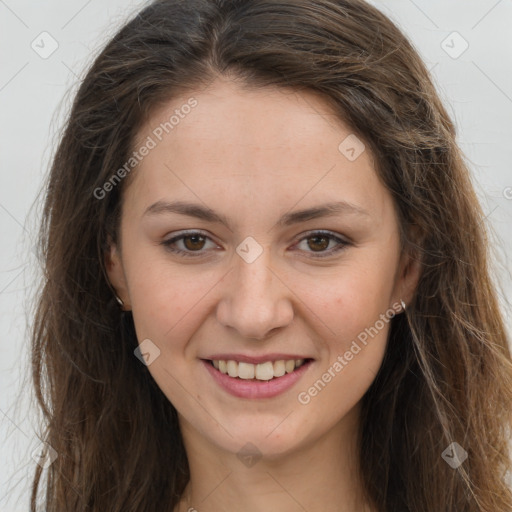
(267, 144)
(243, 115)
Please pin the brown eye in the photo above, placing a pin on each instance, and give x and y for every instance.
(318, 242)
(194, 242)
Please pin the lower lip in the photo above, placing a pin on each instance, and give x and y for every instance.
(243, 388)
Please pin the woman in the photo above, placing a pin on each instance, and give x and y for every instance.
(266, 276)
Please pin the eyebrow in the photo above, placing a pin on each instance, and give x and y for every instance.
(204, 213)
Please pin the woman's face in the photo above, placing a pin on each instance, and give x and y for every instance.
(291, 253)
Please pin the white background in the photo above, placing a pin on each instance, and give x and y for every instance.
(476, 87)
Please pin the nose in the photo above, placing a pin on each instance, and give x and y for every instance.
(255, 301)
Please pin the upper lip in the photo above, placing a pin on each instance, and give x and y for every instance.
(255, 359)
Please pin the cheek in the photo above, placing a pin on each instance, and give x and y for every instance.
(350, 300)
(167, 301)
(356, 309)
(340, 386)
(351, 306)
(169, 306)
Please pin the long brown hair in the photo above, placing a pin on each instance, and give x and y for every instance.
(447, 373)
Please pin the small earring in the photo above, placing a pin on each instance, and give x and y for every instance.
(119, 301)
(403, 304)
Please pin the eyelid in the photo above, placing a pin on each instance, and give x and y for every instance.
(185, 232)
(310, 232)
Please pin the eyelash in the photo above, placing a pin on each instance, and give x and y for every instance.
(342, 244)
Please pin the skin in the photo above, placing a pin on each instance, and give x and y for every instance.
(253, 155)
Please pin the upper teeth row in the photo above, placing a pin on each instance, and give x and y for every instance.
(261, 371)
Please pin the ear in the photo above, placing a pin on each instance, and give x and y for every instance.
(115, 272)
(408, 275)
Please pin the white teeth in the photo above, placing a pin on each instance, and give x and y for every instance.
(289, 366)
(232, 368)
(245, 370)
(279, 369)
(262, 371)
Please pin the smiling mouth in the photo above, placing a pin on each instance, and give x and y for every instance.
(263, 371)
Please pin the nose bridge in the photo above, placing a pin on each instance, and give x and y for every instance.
(254, 281)
(254, 302)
